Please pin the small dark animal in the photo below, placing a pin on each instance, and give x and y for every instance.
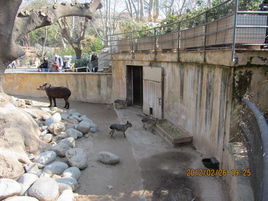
(211, 163)
(148, 123)
(120, 127)
(56, 92)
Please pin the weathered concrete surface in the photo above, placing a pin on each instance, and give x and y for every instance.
(88, 87)
(202, 92)
(199, 90)
(150, 169)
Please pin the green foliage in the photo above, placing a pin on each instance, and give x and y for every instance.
(141, 29)
(92, 44)
(81, 62)
(241, 84)
(168, 24)
(249, 4)
(68, 50)
(38, 36)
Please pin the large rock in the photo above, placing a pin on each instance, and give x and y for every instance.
(56, 167)
(9, 187)
(74, 133)
(69, 181)
(56, 128)
(108, 158)
(60, 149)
(10, 167)
(77, 158)
(44, 189)
(46, 157)
(70, 141)
(55, 118)
(15, 139)
(67, 195)
(26, 181)
(73, 172)
(84, 126)
(21, 198)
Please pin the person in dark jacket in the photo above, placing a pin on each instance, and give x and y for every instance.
(94, 63)
(44, 66)
(264, 7)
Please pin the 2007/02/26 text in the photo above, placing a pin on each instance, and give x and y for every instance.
(219, 172)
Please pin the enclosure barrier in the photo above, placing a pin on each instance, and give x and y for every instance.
(223, 26)
(255, 132)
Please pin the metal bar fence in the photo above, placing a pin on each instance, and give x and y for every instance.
(219, 27)
(255, 131)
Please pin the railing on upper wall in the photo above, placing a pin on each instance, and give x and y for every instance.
(223, 26)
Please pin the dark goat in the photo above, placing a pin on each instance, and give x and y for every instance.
(120, 127)
(56, 92)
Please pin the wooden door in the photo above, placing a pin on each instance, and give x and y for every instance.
(152, 91)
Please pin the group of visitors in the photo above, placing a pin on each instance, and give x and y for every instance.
(59, 65)
(56, 65)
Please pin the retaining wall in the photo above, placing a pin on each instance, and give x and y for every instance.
(87, 87)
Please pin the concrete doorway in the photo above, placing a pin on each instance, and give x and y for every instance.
(134, 85)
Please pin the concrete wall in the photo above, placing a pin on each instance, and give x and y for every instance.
(198, 90)
(88, 87)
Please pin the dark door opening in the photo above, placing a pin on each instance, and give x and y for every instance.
(134, 85)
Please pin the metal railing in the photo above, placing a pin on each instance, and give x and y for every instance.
(255, 133)
(223, 26)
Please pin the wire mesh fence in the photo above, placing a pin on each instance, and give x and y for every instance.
(251, 137)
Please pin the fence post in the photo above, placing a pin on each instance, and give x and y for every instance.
(132, 46)
(155, 45)
(205, 37)
(178, 38)
(234, 59)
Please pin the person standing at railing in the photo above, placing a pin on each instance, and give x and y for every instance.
(264, 7)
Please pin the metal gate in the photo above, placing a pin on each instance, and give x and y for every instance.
(152, 91)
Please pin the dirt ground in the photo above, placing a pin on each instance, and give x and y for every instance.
(150, 169)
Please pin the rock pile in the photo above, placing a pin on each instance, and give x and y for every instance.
(47, 177)
(53, 174)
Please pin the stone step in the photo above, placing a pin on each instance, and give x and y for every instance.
(172, 134)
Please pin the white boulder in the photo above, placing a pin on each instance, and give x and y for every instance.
(9, 187)
(67, 195)
(26, 181)
(44, 189)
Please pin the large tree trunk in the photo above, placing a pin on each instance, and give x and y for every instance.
(12, 27)
(78, 53)
(9, 50)
(141, 10)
